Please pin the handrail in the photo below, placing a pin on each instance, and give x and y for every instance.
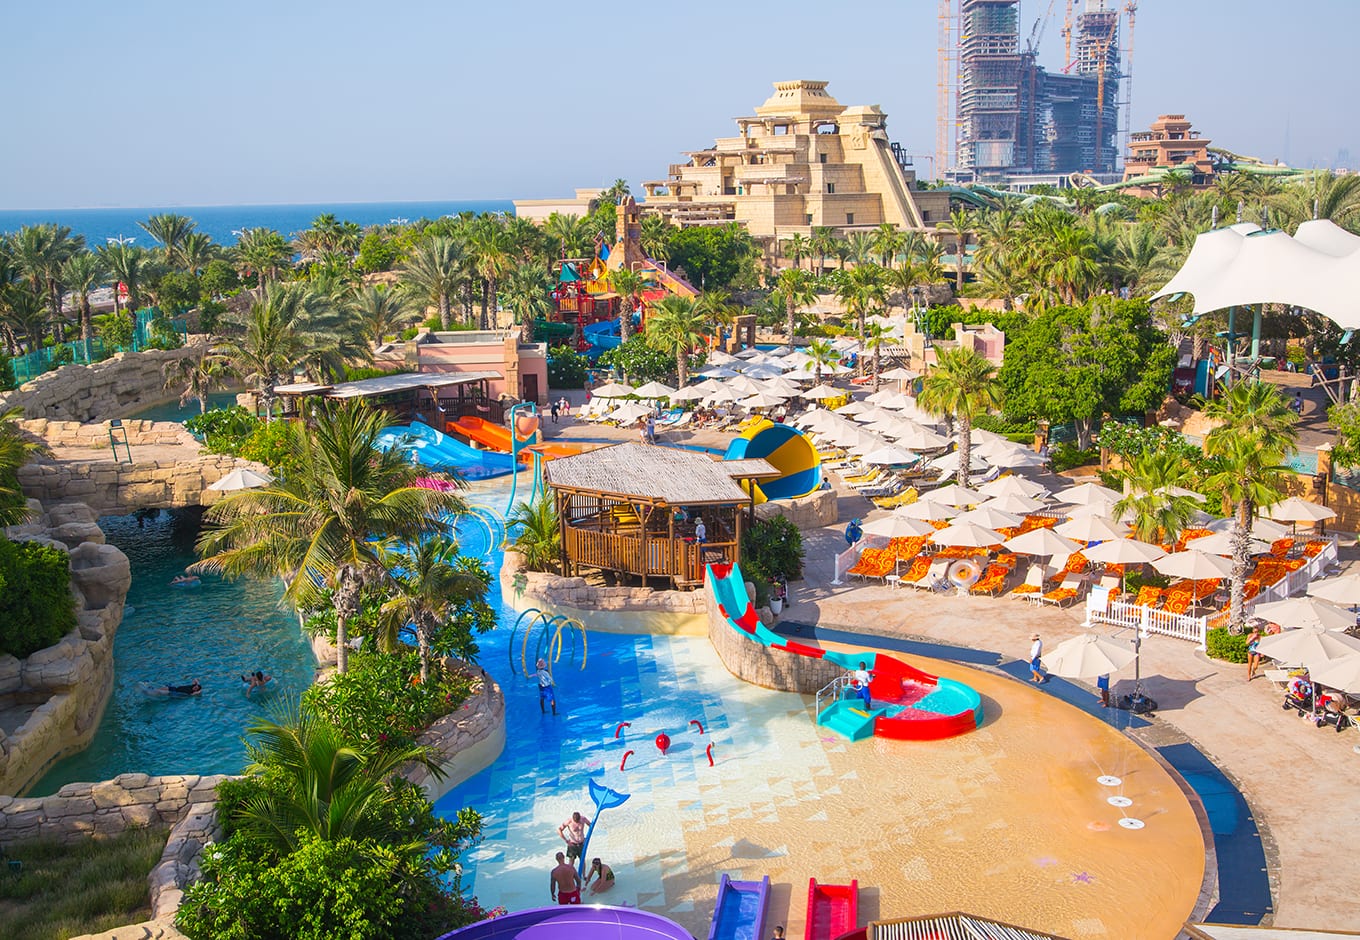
(835, 685)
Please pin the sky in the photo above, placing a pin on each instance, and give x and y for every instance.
(151, 103)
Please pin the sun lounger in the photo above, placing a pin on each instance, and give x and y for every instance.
(935, 577)
(992, 582)
(1066, 593)
(920, 567)
(1033, 585)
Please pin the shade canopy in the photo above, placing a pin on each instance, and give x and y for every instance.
(1014, 503)
(1088, 656)
(1342, 590)
(949, 463)
(1123, 552)
(853, 408)
(910, 434)
(691, 393)
(1305, 612)
(1091, 528)
(654, 390)
(1012, 486)
(1265, 530)
(1194, 566)
(819, 392)
(1342, 673)
(1041, 542)
(900, 374)
(889, 455)
(242, 478)
(898, 527)
(1308, 646)
(928, 508)
(968, 535)
(1085, 493)
(629, 412)
(991, 518)
(1295, 509)
(761, 400)
(613, 390)
(955, 495)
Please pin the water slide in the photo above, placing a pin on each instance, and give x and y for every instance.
(439, 451)
(788, 451)
(906, 703)
(603, 334)
(832, 910)
(497, 438)
(573, 922)
(739, 913)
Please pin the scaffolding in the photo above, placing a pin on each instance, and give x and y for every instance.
(989, 86)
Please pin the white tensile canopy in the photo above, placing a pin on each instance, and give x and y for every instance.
(1318, 268)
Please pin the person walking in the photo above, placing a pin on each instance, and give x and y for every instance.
(555, 412)
(1253, 652)
(564, 885)
(546, 693)
(1103, 687)
(853, 533)
(1036, 659)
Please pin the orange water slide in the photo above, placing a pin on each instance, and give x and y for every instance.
(495, 437)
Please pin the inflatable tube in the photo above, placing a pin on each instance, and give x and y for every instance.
(964, 573)
(788, 451)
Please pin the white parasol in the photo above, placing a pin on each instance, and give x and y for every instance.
(991, 518)
(955, 495)
(242, 478)
(1084, 493)
(1123, 552)
(968, 535)
(1013, 503)
(1041, 542)
(1091, 528)
(1342, 590)
(1305, 612)
(898, 527)
(1088, 655)
(927, 509)
(1194, 566)
(654, 390)
(1308, 646)
(1012, 486)
(613, 390)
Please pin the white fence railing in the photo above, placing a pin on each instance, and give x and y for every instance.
(1148, 620)
(846, 559)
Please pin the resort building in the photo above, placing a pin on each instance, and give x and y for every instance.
(512, 369)
(538, 210)
(1170, 142)
(803, 160)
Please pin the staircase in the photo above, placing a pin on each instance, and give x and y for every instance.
(849, 718)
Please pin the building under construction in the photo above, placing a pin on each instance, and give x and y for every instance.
(1014, 117)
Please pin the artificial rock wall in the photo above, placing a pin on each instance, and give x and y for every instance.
(118, 386)
(58, 694)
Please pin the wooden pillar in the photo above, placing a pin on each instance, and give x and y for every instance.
(563, 502)
(736, 550)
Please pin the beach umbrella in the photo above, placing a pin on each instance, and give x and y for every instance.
(1303, 612)
(1342, 674)
(718, 358)
(1264, 530)
(781, 386)
(866, 443)
(823, 391)
(1089, 655)
(852, 408)
(709, 385)
(916, 437)
(956, 495)
(884, 397)
(722, 396)
(613, 390)
(654, 390)
(1308, 646)
(1085, 493)
(1011, 486)
(991, 518)
(717, 372)
(741, 383)
(1123, 552)
(761, 400)
(1194, 566)
(1041, 542)
(873, 415)
(891, 454)
(1091, 528)
(1013, 503)
(751, 354)
(949, 462)
(1012, 457)
(900, 374)
(968, 535)
(1104, 508)
(1220, 543)
(1180, 491)
(242, 478)
(1342, 590)
(629, 412)
(927, 508)
(689, 393)
(898, 527)
(1296, 510)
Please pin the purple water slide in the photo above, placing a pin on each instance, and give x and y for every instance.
(570, 922)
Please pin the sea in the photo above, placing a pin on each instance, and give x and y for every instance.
(225, 223)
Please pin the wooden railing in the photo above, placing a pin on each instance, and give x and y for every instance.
(668, 558)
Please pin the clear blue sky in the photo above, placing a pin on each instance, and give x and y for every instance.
(265, 101)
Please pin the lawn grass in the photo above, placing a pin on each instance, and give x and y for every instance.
(68, 890)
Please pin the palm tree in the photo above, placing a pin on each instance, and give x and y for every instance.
(427, 590)
(196, 250)
(962, 386)
(1258, 431)
(1000, 278)
(16, 449)
(875, 338)
(131, 267)
(655, 237)
(1158, 515)
(824, 242)
(715, 305)
(41, 252)
(676, 327)
(888, 242)
(264, 252)
(1322, 196)
(568, 232)
(538, 535)
(528, 294)
(861, 246)
(490, 258)
(321, 528)
(170, 229)
(860, 290)
(270, 342)
(1072, 263)
(960, 224)
(795, 247)
(823, 354)
(1136, 251)
(383, 311)
(628, 284)
(82, 273)
(195, 377)
(795, 288)
(433, 272)
(323, 786)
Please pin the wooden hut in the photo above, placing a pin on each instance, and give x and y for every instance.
(633, 509)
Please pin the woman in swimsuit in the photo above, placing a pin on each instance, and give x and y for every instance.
(1253, 655)
(256, 681)
(603, 875)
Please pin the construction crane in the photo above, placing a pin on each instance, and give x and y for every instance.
(1131, 8)
(1036, 33)
(1067, 37)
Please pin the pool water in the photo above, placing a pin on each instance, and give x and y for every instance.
(214, 633)
(172, 411)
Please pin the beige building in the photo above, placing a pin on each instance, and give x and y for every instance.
(803, 160)
(538, 210)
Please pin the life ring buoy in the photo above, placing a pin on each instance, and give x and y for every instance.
(964, 573)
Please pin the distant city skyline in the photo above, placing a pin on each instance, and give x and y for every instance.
(163, 104)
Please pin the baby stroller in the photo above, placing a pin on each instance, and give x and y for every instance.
(1331, 710)
(1299, 696)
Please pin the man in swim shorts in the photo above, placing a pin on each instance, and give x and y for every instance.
(860, 680)
(573, 832)
(564, 885)
(545, 687)
(192, 689)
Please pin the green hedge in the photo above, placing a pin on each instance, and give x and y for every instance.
(1226, 646)
(37, 607)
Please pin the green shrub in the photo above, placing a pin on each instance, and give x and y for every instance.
(359, 373)
(381, 701)
(1068, 455)
(771, 551)
(1230, 647)
(223, 430)
(7, 380)
(37, 607)
(566, 368)
(1137, 579)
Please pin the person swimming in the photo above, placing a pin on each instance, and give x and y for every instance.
(192, 688)
(256, 680)
(184, 580)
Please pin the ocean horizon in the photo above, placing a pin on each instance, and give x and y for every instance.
(100, 225)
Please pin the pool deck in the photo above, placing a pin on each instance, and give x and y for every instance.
(1299, 781)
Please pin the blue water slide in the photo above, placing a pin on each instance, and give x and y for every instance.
(438, 451)
(602, 335)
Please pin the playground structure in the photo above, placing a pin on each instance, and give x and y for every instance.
(788, 451)
(905, 702)
(832, 910)
(549, 642)
(739, 912)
